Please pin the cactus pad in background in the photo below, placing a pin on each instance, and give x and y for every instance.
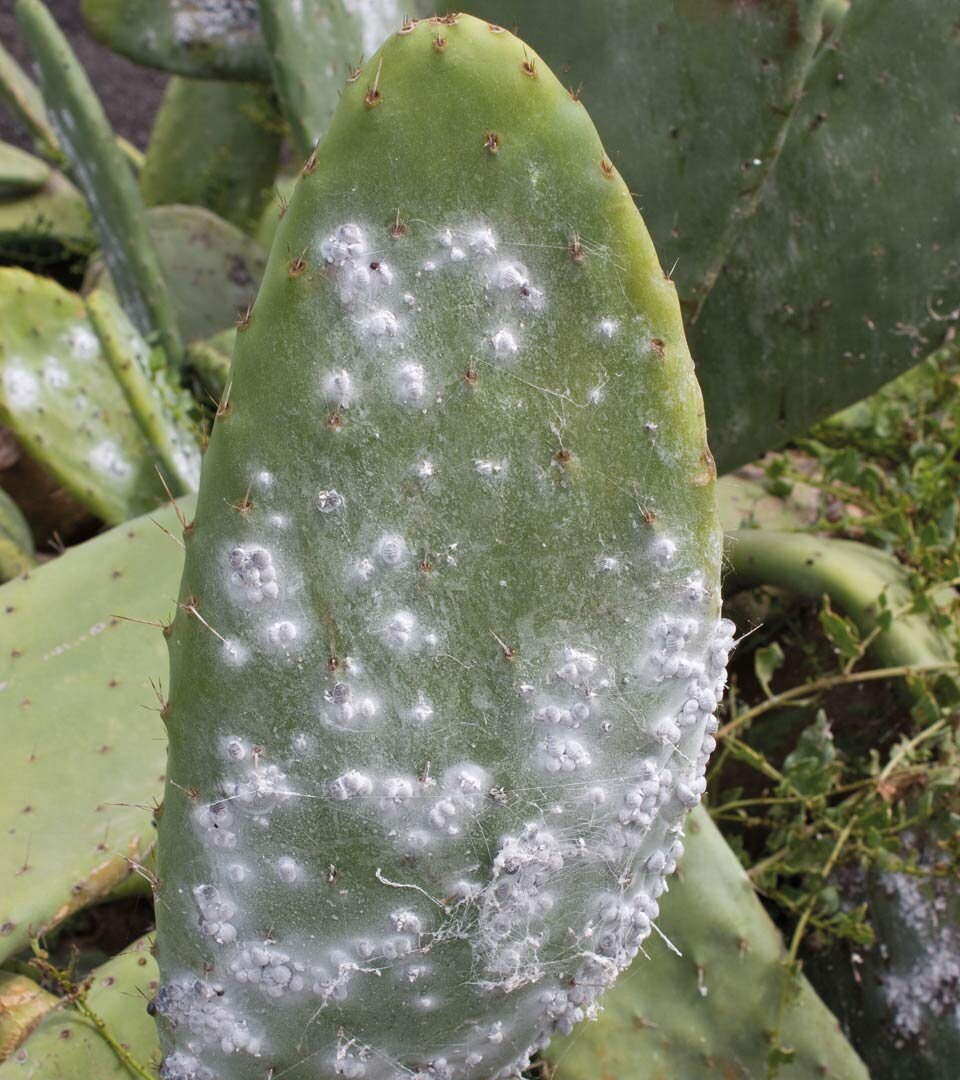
(715, 1012)
(103, 173)
(23, 98)
(20, 173)
(312, 46)
(16, 542)
(214, 39)
(65, 1044)
(217, 145)
(212, 269)
(47, 226)
(61, 399)
(83, 752)
(448, 646)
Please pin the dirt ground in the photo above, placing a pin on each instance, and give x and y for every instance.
(130, 94)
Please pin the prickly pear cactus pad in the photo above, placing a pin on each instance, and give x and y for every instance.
(448, 645)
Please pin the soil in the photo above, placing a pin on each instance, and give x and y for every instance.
(130, 94)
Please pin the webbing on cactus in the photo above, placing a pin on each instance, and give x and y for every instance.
(448, 645)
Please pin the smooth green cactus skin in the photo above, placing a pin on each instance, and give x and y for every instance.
(20, 173)
(62, 401)
(16, 542)
(452, 582)
(217, 145)
(23, 98)
(843, 277)
(213, 39)
(854, 575)
(67, 1046)
(102, 172)
(313, 45)
(693, 101)
(159, 405)
(83, 757)
(709, 1015)
(212, 269)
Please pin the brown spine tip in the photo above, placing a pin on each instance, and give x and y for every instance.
(354, 74)
(494, 29)
(373, 97)
(450, 19)
(470, 375)
(563, 456)
(576, 248)
(408, 25)
(491, 142)
(439, 42)
(425, 566)
(189, 529)
(606, 167)
(244, 317)
(398, 228)
(575, 93)
(529, 67)
(309, 166)
(297, 266)
(659, 347)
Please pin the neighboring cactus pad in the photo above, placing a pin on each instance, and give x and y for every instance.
(448, 646)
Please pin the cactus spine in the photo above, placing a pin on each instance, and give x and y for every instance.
(448, 643)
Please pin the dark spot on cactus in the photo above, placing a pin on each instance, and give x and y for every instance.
(606, 167)
(816, 121)
(576, 248)
(398, 227)
(7, 928)
(494, 29)
(65, 1033)
(77, 888)
(244, 317)
(649, 517)
(470, 375)
(113, 684)
(425, 566)
(26, 810)
(563, 456)
(408, 25)
(529, 67)
(439, 42)
(151, 1008)
(142, 962)
(491, 142)
(297, 266)
(335, 420)
(108, 980)
(15, 654)
(9, 609)
(658, 347)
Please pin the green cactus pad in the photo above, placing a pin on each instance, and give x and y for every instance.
(23, 98)
(214, 39)
(710, 1014)
(313, 45)
(67, 1046)
(158, 403)
(103, 173)
(848, 271)
(212, 269)
(61, 399)
(51, 221)
(16, 542)
(20, 173)
(217, 145)
(448, 646)
(692, 100)
(83, 758)
(210, 359)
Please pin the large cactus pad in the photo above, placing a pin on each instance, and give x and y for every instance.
(448, 646)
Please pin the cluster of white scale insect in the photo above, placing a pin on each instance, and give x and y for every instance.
(568, 894)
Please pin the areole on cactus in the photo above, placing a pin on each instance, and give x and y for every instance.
(448, 645)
